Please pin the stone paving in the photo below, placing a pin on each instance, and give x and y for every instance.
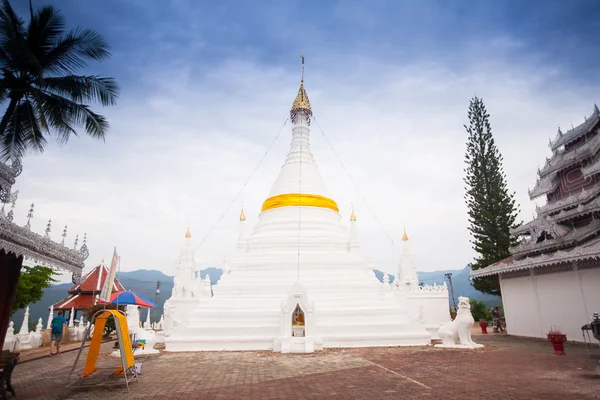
(508, 368)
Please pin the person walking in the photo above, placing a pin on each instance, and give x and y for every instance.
(57, 325)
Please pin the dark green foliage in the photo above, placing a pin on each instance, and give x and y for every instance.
(38, 82)
(492, 209)
(480, 310)
(32, 282)
(110, 322)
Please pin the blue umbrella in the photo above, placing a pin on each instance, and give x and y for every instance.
(128, 297)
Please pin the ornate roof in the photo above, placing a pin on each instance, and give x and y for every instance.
(94, 280)
(565, 159)
(562, 139)
(584, 252)
(21, 241)
(547, 184)
(562, 237)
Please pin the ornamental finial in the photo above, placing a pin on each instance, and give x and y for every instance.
(242, 215)
(301, 103)
(404, 236)
(11, 213)
(29, 216)
(352, 216)
(76, 241)
(64, 235)
(188, 234)
(48, 229)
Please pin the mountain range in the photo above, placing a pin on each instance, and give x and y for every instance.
(144, 282)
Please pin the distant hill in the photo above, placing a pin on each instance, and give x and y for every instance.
(461, 283)
(143, 281)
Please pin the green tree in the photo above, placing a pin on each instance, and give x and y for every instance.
(491, 207)
(38, 82)
(32, 282)
(480, 310)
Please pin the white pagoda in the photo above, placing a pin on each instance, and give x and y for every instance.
(297, 282)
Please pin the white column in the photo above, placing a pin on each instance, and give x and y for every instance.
(50, 317)
(25, 326)
(71, 317)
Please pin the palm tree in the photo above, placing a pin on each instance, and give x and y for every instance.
(38, 65)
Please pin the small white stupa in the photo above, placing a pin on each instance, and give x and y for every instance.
(298, 282)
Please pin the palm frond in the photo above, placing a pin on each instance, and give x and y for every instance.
(22, 133)
(14, 54)
(64, 114)
(45, 29)
(82, 89)
(73, 49)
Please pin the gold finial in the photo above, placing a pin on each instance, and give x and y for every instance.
(301, 103)
(102, 261)
(352, 216)
(242, 215)
(405, 236)
(188, 234)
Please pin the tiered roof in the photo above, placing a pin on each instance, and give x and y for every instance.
(83, 295)
(567, 228)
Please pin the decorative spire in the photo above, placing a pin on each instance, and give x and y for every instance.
(188, 234)
(242, 215)
(301, 103)
(29, 216)
(76, 242)
(559, 132)
(596, 111)
(11, 213)
(404, 236)
(352, 216)
(48, 229)
(64, 235)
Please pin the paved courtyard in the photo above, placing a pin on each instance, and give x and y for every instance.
(508, 368)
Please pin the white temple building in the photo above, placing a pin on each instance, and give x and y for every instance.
(297, 282)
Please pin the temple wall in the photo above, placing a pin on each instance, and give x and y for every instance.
(435, 309)
(573, 182)
(563, 300)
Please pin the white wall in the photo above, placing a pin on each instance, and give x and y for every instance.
(565, 301)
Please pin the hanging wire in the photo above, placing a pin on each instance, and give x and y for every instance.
(359, 191)
(242, 188)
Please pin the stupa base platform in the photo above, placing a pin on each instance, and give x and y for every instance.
(249, 343)
(460, 346)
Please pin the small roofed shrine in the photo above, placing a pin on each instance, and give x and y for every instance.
(18, 243)
(85, 294)
(552, 277)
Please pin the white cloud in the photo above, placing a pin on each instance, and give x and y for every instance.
(183, 143)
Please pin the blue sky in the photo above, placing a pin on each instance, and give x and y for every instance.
(206, 85)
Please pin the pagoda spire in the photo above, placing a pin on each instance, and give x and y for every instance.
(241, 245)
(407, 274)
(354, 243)
(301, 105)
(299, 183)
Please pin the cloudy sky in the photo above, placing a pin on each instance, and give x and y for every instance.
(206, 86)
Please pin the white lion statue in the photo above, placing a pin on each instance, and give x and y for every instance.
(459, 330)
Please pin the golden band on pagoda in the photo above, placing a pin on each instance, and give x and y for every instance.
(297, 199)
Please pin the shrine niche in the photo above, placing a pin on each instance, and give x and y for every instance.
(299, 336)
(298, 322)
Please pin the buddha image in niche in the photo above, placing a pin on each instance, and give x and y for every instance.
(298, 317)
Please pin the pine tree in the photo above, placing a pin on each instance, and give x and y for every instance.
(492, 209)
